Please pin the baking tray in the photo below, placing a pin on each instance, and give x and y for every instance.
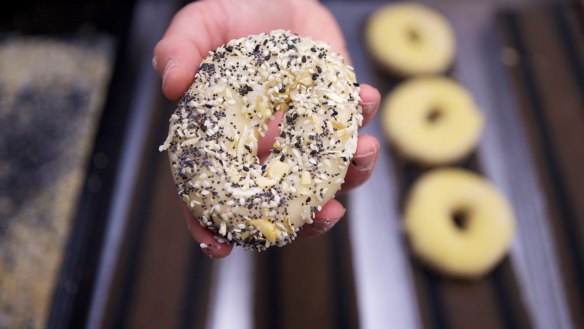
(361, 274)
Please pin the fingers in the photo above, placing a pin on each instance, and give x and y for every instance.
(363, 162)
(324, 220)
(176, 63)
(370, 100)
(208, 244)
(192, 33)
(205, 25)
(365, 157)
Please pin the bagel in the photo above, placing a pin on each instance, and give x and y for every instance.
(458, 223)
(431, 120)
(410, 39)
(214, 132)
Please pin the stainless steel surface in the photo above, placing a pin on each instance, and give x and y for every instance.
(231, 302)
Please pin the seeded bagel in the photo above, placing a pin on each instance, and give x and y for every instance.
(214, 132)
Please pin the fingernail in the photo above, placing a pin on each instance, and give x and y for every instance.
(322, 225)
(369, 107)
(365, 162)
(206, 249)
(167, 68)
(327, 223)
(154, 63)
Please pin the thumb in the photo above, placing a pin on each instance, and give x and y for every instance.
(191, 34)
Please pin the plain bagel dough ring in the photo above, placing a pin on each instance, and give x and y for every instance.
(410, 39)
(214, 132)
(432, 120)
(471, 250)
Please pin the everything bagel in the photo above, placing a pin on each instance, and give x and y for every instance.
(214, 132)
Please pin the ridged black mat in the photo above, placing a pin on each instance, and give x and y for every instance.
(163, 281)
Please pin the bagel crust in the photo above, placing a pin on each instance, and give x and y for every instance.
(214, 132)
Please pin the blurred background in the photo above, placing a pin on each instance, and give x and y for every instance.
(90, 230)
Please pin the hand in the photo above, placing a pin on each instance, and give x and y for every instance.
(205, 25)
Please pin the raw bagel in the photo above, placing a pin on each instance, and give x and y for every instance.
(410, 39)
(475, 244)
(214, 132)
(432, 120)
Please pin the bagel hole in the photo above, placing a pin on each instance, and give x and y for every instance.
(414, 35)
(460, 218)
(266, 142)
(434, 115)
